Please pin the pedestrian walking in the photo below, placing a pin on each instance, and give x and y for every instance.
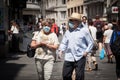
(14, 31)
(114, 22)
(115, 40)
(84, 22)
(40, 23)
(64, 28)
(61, 29)
(46, 44)
(91, 59)
(106, 40)
(76, 44)
(99, 25)
(54, 27)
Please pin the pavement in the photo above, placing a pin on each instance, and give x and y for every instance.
(20, 67)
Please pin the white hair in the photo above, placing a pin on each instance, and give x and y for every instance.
(110, 25)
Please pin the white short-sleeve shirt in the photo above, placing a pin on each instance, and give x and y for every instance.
(108, 34)
(50, 39)
(14, 29)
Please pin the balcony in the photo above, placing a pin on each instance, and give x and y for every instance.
(86, 2)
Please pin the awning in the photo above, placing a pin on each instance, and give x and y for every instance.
(87, 2)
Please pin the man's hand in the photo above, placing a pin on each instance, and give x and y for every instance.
(60, 53)
(85, 54)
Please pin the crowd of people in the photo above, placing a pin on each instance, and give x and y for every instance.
(79, 37)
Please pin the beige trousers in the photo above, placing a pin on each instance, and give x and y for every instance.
(44, 68)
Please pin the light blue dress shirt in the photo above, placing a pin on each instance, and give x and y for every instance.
(75, 43)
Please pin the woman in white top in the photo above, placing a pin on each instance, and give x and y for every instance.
(14, 31)
(106, 39)
(46, 44)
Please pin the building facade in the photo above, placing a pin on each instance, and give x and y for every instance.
(32, 11)
(94, 7)
(9, 10)
(75, 6)
(56, 9)
(110, 14)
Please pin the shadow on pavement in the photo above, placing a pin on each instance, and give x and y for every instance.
(9, 68)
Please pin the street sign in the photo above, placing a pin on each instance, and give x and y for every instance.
(114, 9)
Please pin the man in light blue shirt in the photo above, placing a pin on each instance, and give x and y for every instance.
(76, 44)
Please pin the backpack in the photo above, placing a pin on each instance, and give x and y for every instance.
(98, 25)
(115, 46)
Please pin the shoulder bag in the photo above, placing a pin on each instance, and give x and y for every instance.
(30, 50)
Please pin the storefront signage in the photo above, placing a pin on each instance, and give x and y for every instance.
(114, 9)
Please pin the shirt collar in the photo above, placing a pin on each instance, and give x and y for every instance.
(79, 27)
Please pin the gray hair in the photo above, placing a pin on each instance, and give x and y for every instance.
(110, 25)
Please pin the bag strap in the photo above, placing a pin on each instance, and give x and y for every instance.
(35, 36)
(91, 34)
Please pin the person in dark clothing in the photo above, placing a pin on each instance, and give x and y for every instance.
(117, 54)
(99, 25)
(14, 31)
(114, 22)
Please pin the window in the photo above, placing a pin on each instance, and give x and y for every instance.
(63, 1)
(78, 9)
(68, 12)
(75, 9)
(82, 9)
(71, 10)
(63, 14)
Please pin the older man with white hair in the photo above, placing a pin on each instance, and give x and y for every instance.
(106, 39)
(76, 44)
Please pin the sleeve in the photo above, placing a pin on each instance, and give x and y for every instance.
(89, 42)
(56, 42)
(105, 33)
(112, 38)
(12, 28)
(34, 35)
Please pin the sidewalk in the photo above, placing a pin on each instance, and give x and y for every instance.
(20, 67)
